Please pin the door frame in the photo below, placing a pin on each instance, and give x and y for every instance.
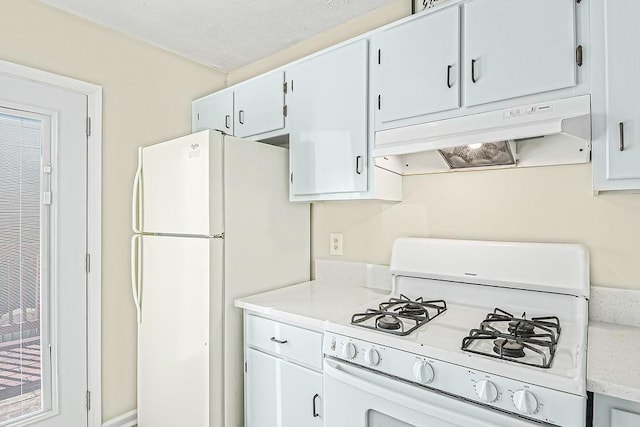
(94, 222)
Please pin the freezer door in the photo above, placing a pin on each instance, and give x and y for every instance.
(178, 187)
(174, 344)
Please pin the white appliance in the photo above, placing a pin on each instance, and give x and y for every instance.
(545, 133)
(212, 223)
(465, 362)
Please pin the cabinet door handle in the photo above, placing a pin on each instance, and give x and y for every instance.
(358, 164)
(227, 121)
(449, 85)
(274, 339)
(315, 410)
(621, 127)
(241, 116)
(473, 71)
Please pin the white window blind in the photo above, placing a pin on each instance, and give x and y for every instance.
(20, 252)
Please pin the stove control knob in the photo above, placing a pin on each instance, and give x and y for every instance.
(372, 357)
(349, 350)
(423, 372)
(525, 401)
(486, 391)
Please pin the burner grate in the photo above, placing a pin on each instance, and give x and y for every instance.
(512, 336)
(400, 316)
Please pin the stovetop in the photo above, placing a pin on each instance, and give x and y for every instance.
(444, 337)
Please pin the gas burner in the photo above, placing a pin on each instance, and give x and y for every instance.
(509, 348)
(399, 316)
(412, 309)
(388, 322)
(522, 328)
(528, 341)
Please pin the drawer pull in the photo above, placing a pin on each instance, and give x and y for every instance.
(315, 411)
(274, 339)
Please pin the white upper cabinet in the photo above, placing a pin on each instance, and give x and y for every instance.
(415, 67)
(623, 93)
(327, 104)
(517, 47)
(259, 105)
(213, 112)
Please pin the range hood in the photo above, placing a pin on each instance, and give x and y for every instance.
(556, 132)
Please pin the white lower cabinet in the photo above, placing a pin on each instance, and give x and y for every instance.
(280, 393)
(612, 412)
(283, 374)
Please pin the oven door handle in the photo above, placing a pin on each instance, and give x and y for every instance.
(334, 370)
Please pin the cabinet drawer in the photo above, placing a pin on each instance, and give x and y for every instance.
(288, 341)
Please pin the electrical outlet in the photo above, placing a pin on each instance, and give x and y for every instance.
(335, 244)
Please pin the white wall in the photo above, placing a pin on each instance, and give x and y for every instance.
(553, 204)
(147, 98)
(547, 204)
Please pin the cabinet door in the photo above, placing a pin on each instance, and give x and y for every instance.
(416, 67)
(213, 112)
(301, 396)
(263, 385)
(281, 394)
(259, 105)
(328, 122)
(623, 94)
(518, 47)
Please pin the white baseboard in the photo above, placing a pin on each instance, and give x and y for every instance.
(129, 419)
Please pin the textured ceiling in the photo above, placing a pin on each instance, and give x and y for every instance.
(224, 34)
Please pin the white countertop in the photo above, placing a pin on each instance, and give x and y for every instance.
(310, 304)
(613, 364)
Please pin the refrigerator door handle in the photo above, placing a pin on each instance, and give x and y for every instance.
(136, 272)
(136, 204)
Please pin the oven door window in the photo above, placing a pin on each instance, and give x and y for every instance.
(378, 419)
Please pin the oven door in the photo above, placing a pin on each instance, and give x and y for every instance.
(356, 397)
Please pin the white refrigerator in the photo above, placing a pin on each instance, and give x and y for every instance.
(212, 223)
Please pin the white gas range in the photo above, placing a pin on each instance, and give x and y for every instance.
(473, 334)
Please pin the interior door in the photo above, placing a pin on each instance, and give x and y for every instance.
(415, 68)
(177, 183)
(43, 235)
(171, 281)
(518, 47)
(328, 128)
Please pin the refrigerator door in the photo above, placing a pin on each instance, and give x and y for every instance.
(174, 289)
(178, 186)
